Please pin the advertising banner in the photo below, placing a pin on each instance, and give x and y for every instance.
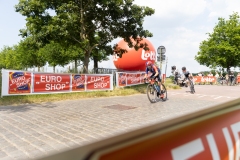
(215, 138)
(98, 82)
(26, 82)
(19, 82)
(78, 82)
(121, 79)
(133, 79)
(199, 79)
(47, 82)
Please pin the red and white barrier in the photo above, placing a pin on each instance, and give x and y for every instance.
(124, 79)
(25, 82)
(199, 79)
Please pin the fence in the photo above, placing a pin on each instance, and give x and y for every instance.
(25, 82)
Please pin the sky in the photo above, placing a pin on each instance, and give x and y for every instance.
(179, 25)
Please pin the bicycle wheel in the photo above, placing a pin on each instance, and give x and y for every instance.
(151, 93)
(192, 87)
(164, 92)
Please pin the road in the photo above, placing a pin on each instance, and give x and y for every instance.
(27, 131)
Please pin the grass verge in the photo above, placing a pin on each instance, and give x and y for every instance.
(23, 99)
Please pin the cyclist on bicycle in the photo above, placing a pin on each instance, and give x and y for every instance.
(156, 74)
(176, 74)
(187, 74)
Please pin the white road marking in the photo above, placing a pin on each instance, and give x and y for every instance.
(202, 96)
(218, 97)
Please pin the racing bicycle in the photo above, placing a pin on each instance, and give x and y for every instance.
(152, 90)
(191, 85)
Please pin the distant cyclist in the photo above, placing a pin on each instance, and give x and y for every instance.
(156, 74)
(175, 73)
(187, 74)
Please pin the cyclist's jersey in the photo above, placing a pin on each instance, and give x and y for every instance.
(153, 70)
(186, 74)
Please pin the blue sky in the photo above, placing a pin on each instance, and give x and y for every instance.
(179, 25)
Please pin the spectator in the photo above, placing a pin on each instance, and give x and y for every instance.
(238, 78)
(217, 78)
(210, 75)
(227, 77)
(231, 78)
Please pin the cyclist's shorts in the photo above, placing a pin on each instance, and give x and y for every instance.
(158, 78)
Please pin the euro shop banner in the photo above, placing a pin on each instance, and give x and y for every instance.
(25, 82)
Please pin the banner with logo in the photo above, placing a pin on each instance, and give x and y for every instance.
(199, 79)
(25, 82)
(129, 79)
(19, 82)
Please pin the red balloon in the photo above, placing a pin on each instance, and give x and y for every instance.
(134, 60)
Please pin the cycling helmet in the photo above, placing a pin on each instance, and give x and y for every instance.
(183, 68)
(149, 63)
(173, 67)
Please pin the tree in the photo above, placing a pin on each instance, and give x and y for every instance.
(222, 48)
(10, 59)
(55, 54)
(77, 23)
(28, 51)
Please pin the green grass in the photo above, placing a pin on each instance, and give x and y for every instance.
(131, 90)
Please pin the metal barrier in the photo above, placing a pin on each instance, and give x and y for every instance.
(211, 133)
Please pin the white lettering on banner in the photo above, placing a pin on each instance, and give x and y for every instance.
(194, 147)
(236, 129)
(188, 150)
(145, 55)
(55, 87)
(100, 85)
(229, 143)
(133, 78)
(20, 81)
(213, 147)
(115, 57)
(207, 79)
(50, 79)
(95, 79)
(99, 82)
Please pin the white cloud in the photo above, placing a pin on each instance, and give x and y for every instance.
(173, 8)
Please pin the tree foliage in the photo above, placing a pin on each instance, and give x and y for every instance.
(78, 22)
(222, 48)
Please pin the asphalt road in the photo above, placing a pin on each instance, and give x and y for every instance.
(28, 131)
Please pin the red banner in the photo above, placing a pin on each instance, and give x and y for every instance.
(133, 78)
(98, 82)
(142, 77)
(122, 77)
(19, 82)
(198, 79)
(47, 82)
(238, 79)
(78, 82)
(214, 138)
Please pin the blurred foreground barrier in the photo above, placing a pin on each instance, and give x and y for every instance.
(212, 133)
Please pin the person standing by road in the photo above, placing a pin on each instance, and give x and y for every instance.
(217, 78)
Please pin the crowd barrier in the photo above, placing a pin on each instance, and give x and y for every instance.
(124, 79)
(207, 79)
(25, 82)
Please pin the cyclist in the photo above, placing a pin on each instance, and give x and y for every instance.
(176, 74)
(231, 77)
(187, 74)
(156, 74)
